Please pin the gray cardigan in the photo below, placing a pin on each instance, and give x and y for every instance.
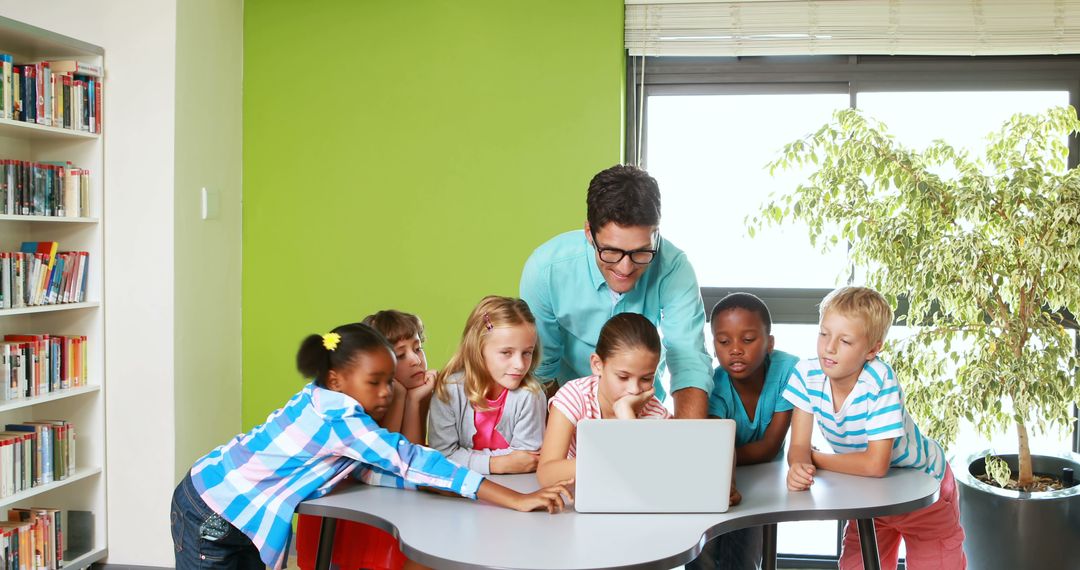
(451, 425)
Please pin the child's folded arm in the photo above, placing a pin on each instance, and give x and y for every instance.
(802, 427)
(766, 448)
(873, 462)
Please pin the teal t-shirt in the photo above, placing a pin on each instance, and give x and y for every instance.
(724, 401)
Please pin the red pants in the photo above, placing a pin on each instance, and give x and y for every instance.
(932, 535)
(356, 546)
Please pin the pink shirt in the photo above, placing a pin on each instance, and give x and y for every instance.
(486, 437)
(578, 400)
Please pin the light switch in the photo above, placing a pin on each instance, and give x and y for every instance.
(211, 203)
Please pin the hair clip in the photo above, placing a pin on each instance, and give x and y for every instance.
(330, 341)
(487, 323)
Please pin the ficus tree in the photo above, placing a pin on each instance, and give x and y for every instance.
(984, 249)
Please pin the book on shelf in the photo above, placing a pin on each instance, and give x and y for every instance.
(43, 538)
(38, 365)
(65, 94)
(76, 67)
(43, 189)
(29, 278)
(46, 534)
(50, 456)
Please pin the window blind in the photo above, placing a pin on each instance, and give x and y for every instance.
(852, 27)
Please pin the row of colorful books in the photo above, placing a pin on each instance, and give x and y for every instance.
(43, 189)
(33, 539)
(35, 453)
(38, 274)
(40, 364)
(64, 93)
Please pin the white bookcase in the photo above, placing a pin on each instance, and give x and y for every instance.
(83, 406)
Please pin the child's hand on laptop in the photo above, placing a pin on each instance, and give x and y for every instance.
(627, 407)
(800, 476)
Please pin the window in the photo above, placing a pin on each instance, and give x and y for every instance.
(710, 125)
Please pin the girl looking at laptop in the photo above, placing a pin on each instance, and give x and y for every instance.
(621, 387)
(747, 388)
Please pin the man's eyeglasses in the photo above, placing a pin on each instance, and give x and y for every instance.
(615, 255)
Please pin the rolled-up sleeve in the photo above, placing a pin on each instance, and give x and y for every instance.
(682, 321)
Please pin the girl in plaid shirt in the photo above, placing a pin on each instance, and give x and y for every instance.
(234, 509)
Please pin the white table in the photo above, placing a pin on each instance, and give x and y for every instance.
(454, 533)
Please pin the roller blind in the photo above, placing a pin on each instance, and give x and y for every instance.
(852, 27)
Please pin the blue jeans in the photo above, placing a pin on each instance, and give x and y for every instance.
(202, 539)
(738, 550)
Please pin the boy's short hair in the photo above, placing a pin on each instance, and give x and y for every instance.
(861, 303)
(396, 326)
(745, 301)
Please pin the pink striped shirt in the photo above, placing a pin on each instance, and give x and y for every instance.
(578, 400)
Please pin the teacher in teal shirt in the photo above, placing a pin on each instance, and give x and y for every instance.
(576, 281)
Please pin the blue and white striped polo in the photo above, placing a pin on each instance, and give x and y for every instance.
(874, 410)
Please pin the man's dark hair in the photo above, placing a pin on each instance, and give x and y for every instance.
(746, 301)
(623, 194)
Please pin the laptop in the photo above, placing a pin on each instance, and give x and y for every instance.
(654, 466)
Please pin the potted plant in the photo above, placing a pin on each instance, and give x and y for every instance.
(986, 253)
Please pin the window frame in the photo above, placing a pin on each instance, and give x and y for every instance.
(661, 75)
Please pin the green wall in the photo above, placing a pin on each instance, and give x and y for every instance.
(411, 155)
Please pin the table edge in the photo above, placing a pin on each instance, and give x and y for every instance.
(678, 559)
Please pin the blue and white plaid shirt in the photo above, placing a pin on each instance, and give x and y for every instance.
(317, 439)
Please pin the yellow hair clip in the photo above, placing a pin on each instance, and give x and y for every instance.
(331, 340)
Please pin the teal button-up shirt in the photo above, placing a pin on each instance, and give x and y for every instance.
(571, 302)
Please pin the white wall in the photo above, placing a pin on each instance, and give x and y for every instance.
(170, 396)
(209, 64)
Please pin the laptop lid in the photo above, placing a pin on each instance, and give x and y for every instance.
(654, 466)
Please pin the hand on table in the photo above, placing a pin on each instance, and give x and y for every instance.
(800, 476)
(735, 497)
(552, 499)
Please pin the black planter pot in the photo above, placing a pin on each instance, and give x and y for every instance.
(1011, 530)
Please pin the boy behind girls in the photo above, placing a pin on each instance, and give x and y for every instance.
(856, 400)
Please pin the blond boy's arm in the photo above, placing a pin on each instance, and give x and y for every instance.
(800, 462)
(874, 462)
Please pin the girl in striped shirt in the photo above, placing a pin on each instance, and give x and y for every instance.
(234, 508)
(621, 387)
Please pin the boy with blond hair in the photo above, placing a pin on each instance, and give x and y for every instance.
(858, 404)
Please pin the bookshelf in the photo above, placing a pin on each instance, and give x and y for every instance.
(84, 489)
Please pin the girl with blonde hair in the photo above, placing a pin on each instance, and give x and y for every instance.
(488, 412)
